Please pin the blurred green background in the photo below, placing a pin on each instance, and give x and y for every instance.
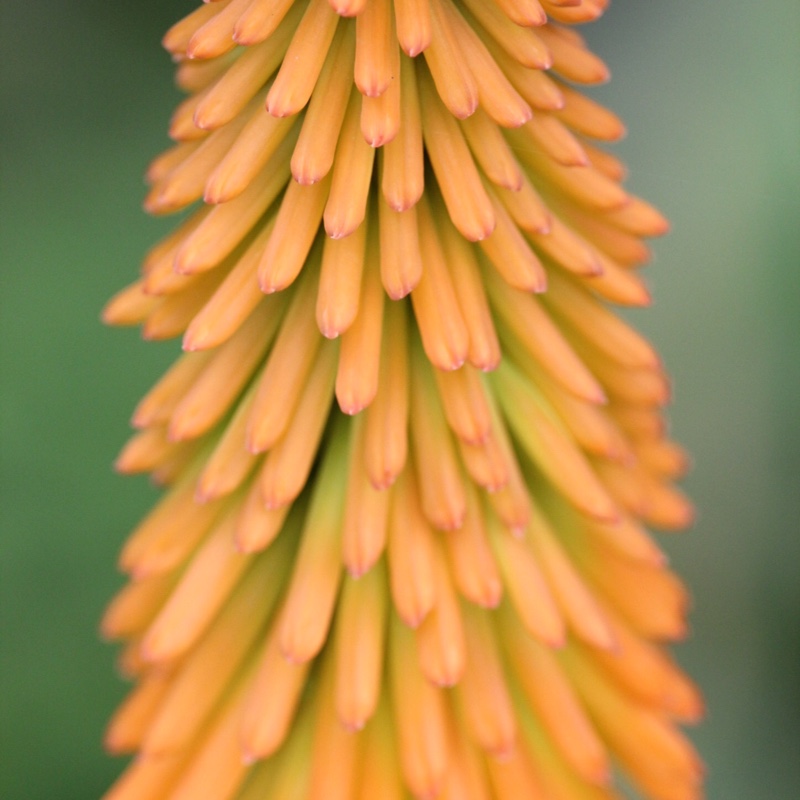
(710, 92)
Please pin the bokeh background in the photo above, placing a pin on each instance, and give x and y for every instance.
(711, 94)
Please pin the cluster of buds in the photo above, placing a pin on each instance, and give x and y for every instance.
(410, 452)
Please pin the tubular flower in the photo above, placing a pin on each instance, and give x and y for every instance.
(409, 451)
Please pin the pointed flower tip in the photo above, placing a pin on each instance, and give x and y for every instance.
(355, 571)
(107, 315)
(269, 286)
(191, 344)
(120, 464)
(253, 445)
(243, 547)
(352, 725)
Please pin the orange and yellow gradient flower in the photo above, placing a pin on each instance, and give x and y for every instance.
(410, 454)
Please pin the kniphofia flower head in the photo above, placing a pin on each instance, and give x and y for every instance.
(410, 454)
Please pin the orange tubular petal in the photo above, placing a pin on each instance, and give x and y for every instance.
(286, 371)
(218, 767)
(221, 382)
(348, 8)
(157, 405)
(510, 500)
(207, 671)
(335, 754)
(131, 720)
(215, 37)
(527, 588)
(161, 257)
(131, 306)
(377, 52)
(226, 225)
(135, 606)
(340, 282)
(441, 484)
(257, 526)
(596, 323)
(441, 649)
(567, 250)
(144, 451)
(304, 58)
(380, 772)
(185, 183)
(515, 777)
(534, 86)
(196, 76)
(225, 98)
(419, 718)
(158, 545)
(571, 59)
(359, 637)
(313, 157)
(311, 597)
(230, 462)
(511, 255)
(523, 317)
(177, 38)
(587, 117)
(359, 359)
(260, 20)
(151, 778)
(411, 557)
(491, 151)
(591, 426)
(583, 614)
(521, 43)
(558, 710)
(351, 176)
(273, 700)
(466, 199)
(486, 464)
(252, 150)
(203, 588)
(400, 256)
(381, 116)
(414, 27)
(471, 559)
(284, 775)
(366, 515)
(173, 314)
(445, 337)
(498, 97)
(386, 427)
(402, 178)
(296, 228)
(236, 298)
(484, 349)
(487, 706)
(466, 777)
(550, 447)
(447, 63)
(647, 745)
(464, 402)
(528, 13)
(650, 598)
(646, 673)
(289, 462)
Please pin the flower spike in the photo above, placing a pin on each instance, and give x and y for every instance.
(409, 453)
